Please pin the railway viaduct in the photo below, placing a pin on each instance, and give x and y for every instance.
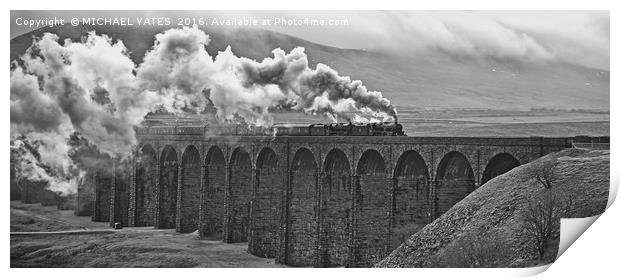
(304, 200)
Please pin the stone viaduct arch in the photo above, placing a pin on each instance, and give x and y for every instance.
(371, 221)
(119, 193)
(302, 210)
(239, 196)
(411, 202)
(103, 204)
(454, 181)
(189, 193)
(146, 180)
(266, 205)
(214, 193)
(168, 187)
(499, 164)
(336, 210)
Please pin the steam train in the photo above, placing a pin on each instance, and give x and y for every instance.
(336, 129)
(341, 129)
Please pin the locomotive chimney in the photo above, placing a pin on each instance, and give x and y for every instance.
(395, 119)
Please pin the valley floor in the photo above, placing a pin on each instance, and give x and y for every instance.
(89, 244)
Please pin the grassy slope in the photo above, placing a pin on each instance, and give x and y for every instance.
(493, 213)
(432, 79)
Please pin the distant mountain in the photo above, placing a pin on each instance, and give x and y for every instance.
(429, 80)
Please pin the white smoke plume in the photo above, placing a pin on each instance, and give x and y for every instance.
(30, 167)
(93, 88)
(62, 81)
(180, 68)
(314, 91)
(53, 95)
(363, 120)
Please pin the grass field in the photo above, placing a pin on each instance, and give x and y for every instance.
(38, 218)
(130, 247)
(66, 240)
(485, 122)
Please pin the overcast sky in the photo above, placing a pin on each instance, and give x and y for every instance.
(580, 37)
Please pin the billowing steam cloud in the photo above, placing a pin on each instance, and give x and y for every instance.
(94, 89)
(55, 92)
(318, 91)
(60, 89)
(28, 165)
(180, 69)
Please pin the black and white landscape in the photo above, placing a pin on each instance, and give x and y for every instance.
(403, 139)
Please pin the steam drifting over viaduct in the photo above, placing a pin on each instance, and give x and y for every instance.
(304, 200)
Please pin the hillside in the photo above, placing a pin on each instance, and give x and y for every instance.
(486, 229)
(430, 80)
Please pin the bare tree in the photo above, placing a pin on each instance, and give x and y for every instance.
(545, 172)
(542, 219)
(474, 250)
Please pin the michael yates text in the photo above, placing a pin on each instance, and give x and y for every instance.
(125, 21)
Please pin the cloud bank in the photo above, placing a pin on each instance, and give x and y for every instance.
(578, 37)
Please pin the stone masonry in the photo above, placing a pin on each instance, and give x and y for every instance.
(304, 200)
